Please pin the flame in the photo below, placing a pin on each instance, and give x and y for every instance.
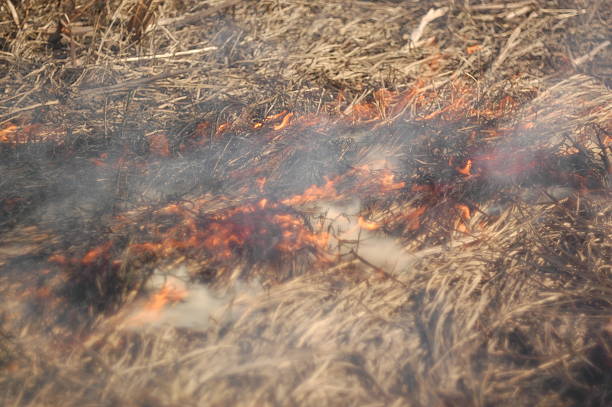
(314, 193)
(464, 211)
(266, 224)
(413, 218)
(100, 161)
(7, 133)
(472, 49)
(261, 183)
(170, 292)
(31, 133)
(464, 216)
(94, 254)
(275, 117)
(230, 233)
(173, 291)
(367, 225)
(387, 182)
(465, 170)
(284, 123)
(222, 129)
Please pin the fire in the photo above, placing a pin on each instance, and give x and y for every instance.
(277, 226)
(413, 218)
(472, 49)
(229, 234)
(170, 292)
(261, 183)
(367, 225)
(284, 123)
(275, 117)
(31, 133)
(173, 291)
(222, 128)
(467, 169)
(7, 133)
(95, 253)
(464, 216)
(314, 193)
(387, 182)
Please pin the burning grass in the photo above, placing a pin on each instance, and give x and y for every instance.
(322, 203)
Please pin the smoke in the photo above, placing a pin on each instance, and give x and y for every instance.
(374, 247)
(174, 300)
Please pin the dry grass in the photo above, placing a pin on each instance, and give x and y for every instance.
(510, 307)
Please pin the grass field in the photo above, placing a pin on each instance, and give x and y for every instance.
(322, 203)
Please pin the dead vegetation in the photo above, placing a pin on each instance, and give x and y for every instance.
(140, 137)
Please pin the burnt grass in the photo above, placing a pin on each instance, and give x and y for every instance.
(227, 144)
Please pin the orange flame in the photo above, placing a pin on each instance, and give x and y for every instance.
(7, 132)
(413, 218)
(464, 216)
(387, 182)
(228, 233)
(222, 128)
(284, 123)
(313, 193)
(94, 254)
(274, 117)
(472, 49)
(367, 225)
(172, 291)
(465, 170)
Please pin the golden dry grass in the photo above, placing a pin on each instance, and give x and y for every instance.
(512, 307)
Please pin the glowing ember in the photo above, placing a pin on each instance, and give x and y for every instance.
(159, 145)
(467, 169)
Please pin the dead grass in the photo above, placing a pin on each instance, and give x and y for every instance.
(514, 309)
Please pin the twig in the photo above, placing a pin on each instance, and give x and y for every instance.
(499, 6)
(432, 14)
(513, 40)
(547, 365)
(587, 57)
(170, 54)
(13, 12)
(129, 84)
(31, 107)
